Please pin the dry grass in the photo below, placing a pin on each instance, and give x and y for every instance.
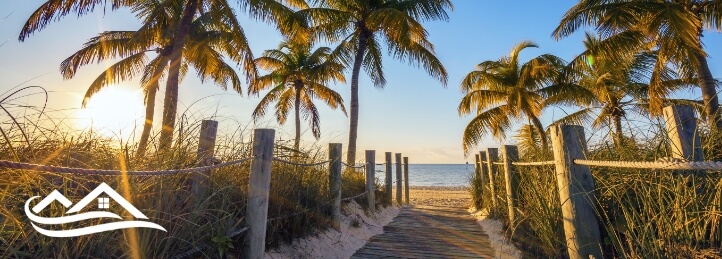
(192, 222)
(642, 213)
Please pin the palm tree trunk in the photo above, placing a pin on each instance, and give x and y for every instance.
(150, 108)
(538, 125)
(297, 143)
(353, 128)
(618, 138)
(170, 103)
(709, 92)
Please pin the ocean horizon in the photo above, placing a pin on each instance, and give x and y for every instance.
(448, 175)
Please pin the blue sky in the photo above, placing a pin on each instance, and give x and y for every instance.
(414, 115)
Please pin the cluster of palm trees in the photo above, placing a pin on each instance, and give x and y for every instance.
(205, 35)
(642, 51)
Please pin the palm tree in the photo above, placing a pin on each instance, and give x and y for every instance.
(281, 14)
(210, 40)
(56, 9)
(503, 91)
(612, 86)
(673, 29)
(298, 75)
(361, 26)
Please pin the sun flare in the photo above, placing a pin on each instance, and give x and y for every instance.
(114, 112)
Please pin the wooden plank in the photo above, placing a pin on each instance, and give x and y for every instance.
(429, 232)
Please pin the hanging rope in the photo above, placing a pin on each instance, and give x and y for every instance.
(533, 163)
(71, 170)
(299, 164)
(691, 165)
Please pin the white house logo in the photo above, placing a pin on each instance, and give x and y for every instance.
(103, 203)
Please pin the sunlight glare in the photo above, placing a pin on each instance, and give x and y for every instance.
(115, 111)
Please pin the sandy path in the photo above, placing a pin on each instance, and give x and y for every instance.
(334, 244)
(439, 196)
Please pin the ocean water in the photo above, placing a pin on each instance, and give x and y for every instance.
(432, 174)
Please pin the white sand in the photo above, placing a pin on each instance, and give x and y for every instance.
(503, 249)
(335, 244)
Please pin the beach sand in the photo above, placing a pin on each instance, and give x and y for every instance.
(439, 196)
(334, 244)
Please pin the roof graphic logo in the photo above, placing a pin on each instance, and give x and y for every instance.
(103, 203)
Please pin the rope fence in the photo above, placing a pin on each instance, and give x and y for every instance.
(72, 170)
(256, 216)
(574, 178)
(354, 166)
(690, 165)
(300, 164)
(533, 163)
(354, 197)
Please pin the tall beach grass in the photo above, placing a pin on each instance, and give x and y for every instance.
(641, 213)
(299, 195)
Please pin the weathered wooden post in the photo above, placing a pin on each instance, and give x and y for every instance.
(389, 182)
(682, 132)
(399, 181)
(576, 192)
(258, 187)
(482, 178)
(334, 183)
(406, 179)
(204, 156)
(370, 179)
(491, 155)
(511, 154)
(479, 179)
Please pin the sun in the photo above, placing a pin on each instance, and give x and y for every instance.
(114, 112)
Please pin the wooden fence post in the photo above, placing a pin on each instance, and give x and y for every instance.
(389, 181)
(371, 179)
(258, 188)
(204, 156)
(491, 157)
(406, 179)
(576, 192)
(399, 180)
(482, 178)
(682, 132)
(334, 183)
(479, 179)
(511, 154)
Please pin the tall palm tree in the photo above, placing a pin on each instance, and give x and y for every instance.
(361, 26)
(673, 29)
(298, 75)
(210, 40)
(502, 91)
(279, 13)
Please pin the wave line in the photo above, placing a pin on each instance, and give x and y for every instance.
(97, 228)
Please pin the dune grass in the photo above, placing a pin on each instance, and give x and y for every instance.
(642, 213)
(299, 195)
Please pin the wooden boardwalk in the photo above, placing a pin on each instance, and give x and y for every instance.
(429, 232)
